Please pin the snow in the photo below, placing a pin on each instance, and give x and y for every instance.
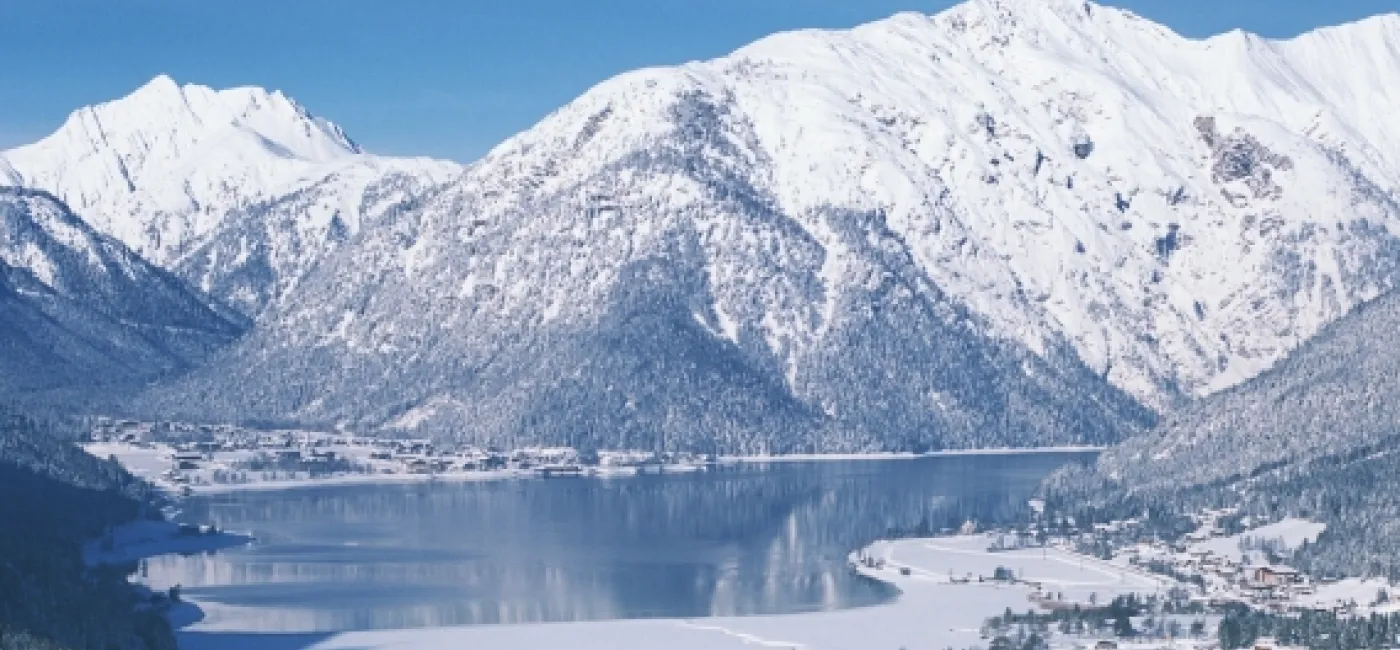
(1292, 531)
(171, 169)
(931, 612)
(138, 540)
(1360, 591)
(143, 461)
(959, 130)
(956, 135)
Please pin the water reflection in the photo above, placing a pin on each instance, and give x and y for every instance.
(743, 540)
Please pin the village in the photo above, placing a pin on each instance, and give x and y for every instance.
(1247, 568)
(187, 458)
(1113, 586)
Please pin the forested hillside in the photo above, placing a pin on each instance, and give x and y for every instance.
(1315, 437)
(55, 498)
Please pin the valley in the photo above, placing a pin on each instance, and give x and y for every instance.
(788, 346)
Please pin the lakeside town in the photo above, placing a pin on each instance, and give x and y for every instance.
(1114, 585)
(185, 458)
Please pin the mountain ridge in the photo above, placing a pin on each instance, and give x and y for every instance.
(1174, 215)
(79, 311)
(175, 172)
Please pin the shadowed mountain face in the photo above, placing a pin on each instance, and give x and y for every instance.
(78, 309)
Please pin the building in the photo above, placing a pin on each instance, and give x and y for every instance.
(192, 456)
(1275, 576)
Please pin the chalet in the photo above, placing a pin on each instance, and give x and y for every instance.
(1275, 576)
(1106, 644)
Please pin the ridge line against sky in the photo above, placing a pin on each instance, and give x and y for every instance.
(452, 79)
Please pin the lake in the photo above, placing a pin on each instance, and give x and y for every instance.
(738, 540)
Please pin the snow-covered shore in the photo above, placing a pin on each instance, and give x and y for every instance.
(998, 451)
(153, 462)
(138, 540)
(360, 479)
(933, 612)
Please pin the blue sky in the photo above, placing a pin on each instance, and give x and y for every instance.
(448, 78)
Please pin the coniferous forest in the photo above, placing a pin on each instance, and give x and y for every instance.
(56, 498)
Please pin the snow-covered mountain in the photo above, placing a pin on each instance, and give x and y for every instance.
(912, 232)
(220, 186)
(80, 310)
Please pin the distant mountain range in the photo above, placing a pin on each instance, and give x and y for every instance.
(1014, 223)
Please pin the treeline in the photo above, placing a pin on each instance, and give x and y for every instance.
(1241, 627)
(1356, 492)
(1127, 616)
(55, 498)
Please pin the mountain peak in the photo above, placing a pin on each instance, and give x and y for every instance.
(182, 154)
(1019, 11)
(163, 119)
(161, 84)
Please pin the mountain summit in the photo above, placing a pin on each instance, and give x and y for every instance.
(180, 172)
(156, 168)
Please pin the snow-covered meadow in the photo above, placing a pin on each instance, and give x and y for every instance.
(1287, 534)
(138, 540)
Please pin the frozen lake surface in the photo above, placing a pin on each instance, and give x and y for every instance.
(747, 540)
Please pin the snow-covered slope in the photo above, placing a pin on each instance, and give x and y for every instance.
(1334, 395)
(260, 251)
(912, 231)
(171, 170)
(1183, 211)
(80, 309)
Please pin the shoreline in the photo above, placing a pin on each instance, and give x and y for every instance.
(909, 455)
(344, 480)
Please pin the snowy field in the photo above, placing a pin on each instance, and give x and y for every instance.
(932, 613)
(1292, 532)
